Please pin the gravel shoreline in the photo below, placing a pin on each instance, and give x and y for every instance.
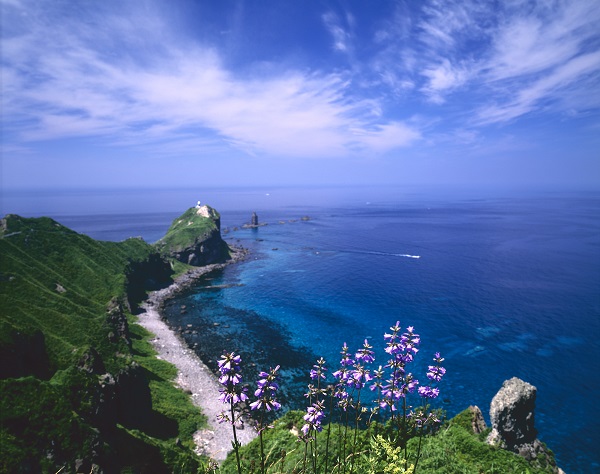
(192, 375)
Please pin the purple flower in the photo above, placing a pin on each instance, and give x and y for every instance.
(318, 370)
(429, 392)
(314, 417)
(268, 405)
(358, 377)
(435, 373)
(346, 359)
(266, 391)
(365, 355)
(342, 374)
(231, 379)
(378, 377)
(410, 384)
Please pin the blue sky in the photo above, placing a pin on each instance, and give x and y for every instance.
(196, 93)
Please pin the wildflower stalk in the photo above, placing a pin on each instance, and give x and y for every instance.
(330, 392)
(262, 449)
(265, 394)
(236, 443)
(232, 393)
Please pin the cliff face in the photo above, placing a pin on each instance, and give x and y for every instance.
(194, 238)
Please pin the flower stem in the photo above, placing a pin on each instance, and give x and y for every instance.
(236, 444)
(260, 435)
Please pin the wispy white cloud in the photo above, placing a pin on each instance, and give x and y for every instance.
(97, 78)
(443, 78)
(546, 89)
(537, 60)
(341, 37)
(500, 60)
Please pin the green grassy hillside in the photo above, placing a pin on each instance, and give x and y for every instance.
(59, 282)
(454, 449)
(80, 383)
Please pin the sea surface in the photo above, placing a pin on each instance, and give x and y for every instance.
(502, 283)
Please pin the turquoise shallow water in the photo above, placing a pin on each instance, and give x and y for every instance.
(502, 286)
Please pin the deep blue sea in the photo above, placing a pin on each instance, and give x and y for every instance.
(502, 283)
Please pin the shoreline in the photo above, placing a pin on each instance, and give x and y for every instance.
(193, 376)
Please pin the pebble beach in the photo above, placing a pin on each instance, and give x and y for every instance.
(193, 376)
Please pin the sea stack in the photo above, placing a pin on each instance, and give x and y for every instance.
(254, 219)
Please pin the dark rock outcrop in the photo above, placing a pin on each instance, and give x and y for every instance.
(91, 362)
(254, 219)
(152, 273)
(209, 248)
(25, 354)
(117, 322)
(512, 417)
(134, 402)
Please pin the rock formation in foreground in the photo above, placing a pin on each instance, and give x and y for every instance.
(512, 417)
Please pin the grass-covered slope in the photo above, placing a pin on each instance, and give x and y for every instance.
(60, 282)
(79, 384)
(455, 449)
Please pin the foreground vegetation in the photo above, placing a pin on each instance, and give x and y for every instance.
(455, 449)
(398, 430)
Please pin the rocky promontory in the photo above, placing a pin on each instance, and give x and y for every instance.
(194, 238)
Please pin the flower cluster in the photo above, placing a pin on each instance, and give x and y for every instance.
(266, 392)
(392, 383)
(402, 349)
(435, 374)
(232, 392)
(314, 418)
(231, 379)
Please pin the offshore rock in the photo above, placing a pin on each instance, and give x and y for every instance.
(512, 416)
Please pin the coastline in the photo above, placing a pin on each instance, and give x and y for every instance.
(193, 376)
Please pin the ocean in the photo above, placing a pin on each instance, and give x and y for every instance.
(501, 283)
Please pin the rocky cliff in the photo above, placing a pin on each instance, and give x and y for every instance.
(194, 238)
